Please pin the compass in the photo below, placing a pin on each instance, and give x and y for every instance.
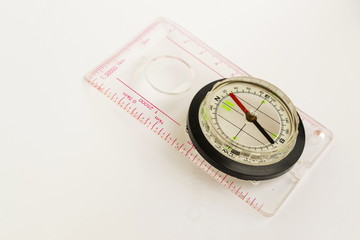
(246, 127)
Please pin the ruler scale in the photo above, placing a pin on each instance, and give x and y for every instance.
(121, 79)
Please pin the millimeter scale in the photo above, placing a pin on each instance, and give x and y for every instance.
(165, 65)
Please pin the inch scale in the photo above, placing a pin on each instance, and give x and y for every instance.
(123, 79)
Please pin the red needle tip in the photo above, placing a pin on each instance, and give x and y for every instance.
(237, 101)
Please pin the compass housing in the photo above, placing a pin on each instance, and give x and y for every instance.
(230, 156)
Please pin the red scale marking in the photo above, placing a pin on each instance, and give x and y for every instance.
(140, 115)
(245, 195)
(133, 110)
(237, 190)
(202, 162)
(260, 207)
(189, 150)
(223, 178)
(153, 125)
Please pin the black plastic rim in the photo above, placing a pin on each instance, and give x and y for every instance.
(227, 165)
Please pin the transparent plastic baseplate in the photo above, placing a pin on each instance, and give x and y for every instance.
(164, 66)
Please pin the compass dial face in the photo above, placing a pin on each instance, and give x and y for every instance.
(249, 121)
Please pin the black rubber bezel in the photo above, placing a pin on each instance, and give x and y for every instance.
(227, 165)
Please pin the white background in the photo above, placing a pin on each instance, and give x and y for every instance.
(72, 166)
